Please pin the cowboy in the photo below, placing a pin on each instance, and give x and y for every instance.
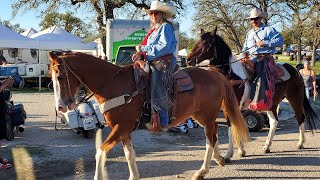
(158, 48)
(259, 46)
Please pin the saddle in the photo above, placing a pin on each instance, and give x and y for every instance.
(281, 72)
(181, 81)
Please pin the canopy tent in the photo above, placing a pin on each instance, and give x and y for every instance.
(29, 32)
(55, 38)
(183, 52)
(12, 39)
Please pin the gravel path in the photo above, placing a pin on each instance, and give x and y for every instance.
(41, 152)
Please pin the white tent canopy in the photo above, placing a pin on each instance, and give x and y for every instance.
(12, 39)
(55, 38)
(29, 32)
(183, 52)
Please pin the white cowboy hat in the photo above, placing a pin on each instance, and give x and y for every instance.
(167, 8)
(256, 12)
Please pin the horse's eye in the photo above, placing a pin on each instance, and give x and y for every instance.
(60, 78)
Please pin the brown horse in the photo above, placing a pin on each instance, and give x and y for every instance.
(109, 83)
(212, 47)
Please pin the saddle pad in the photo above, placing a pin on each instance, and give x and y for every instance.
(285, 75)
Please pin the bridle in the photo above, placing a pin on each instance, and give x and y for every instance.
(87, 97)
(73, 99)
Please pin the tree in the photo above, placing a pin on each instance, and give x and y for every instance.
(14, 27)
(66, 21)
(104, 9)
(226, 16)
(230, 17)
(186, 42)
(301, 11)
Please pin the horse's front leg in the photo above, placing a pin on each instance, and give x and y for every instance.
(211, 151)
(112, 140)
(131, 158)
(273, 125)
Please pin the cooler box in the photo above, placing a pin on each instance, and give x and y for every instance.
(8, 70)
(21, 69)
(36, 69)
(72, 119)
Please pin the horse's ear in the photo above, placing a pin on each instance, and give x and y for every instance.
(202, 31)
(52, 56)
(214, 31)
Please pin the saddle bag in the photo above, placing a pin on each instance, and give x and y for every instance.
(18, 115)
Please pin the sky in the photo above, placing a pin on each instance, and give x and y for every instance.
(29, 20)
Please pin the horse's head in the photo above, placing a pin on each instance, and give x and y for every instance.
(203, 50)
(65, 83)
(210, 47)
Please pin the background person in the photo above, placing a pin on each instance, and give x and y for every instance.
(309, 79)
(159, 47)
(3, 60)
(260, 44)
(4, 163)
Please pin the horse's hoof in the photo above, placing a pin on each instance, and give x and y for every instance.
(221, 162)
(266, 151)
(242, 154)
(227, 160)
(300, 147)
(197, 177)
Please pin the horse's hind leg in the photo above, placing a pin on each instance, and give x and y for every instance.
(273, 121)
(297, 106)
(211, 151)
(108, 144)
(131, 158)
(229, 153)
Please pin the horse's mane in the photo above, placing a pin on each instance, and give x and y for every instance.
(95, 60)
(222, 51)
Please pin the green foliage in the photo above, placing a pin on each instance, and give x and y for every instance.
(284, 58)
(66, 21)
(14, 27)
(186, 42)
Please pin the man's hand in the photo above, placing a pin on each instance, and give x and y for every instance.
(260, 44)
(135, 57)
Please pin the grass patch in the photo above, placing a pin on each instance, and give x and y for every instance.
(286, 59)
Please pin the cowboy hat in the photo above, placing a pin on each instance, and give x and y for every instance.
(256, 12)
(167, 8)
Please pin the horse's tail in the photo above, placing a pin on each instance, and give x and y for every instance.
(309, 114)
(238, 124)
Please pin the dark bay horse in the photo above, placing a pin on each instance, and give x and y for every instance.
(212, 48)
(109, 83)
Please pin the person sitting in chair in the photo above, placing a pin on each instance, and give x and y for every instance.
(158, 48)
(3, 60)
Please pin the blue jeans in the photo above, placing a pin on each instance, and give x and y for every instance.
(164, 117)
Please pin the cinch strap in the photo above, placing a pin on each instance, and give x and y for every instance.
(112, 103)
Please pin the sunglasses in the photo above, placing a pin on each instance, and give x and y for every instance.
(154, 13)
(254, 19)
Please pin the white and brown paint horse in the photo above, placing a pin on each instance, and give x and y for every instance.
(111, 83)
(212, 47)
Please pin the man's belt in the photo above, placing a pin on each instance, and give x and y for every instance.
(167, 57)
(263, 55)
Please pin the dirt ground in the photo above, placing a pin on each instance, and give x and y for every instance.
(41, 152)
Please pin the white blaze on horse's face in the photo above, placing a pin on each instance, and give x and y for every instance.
(60, 105)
